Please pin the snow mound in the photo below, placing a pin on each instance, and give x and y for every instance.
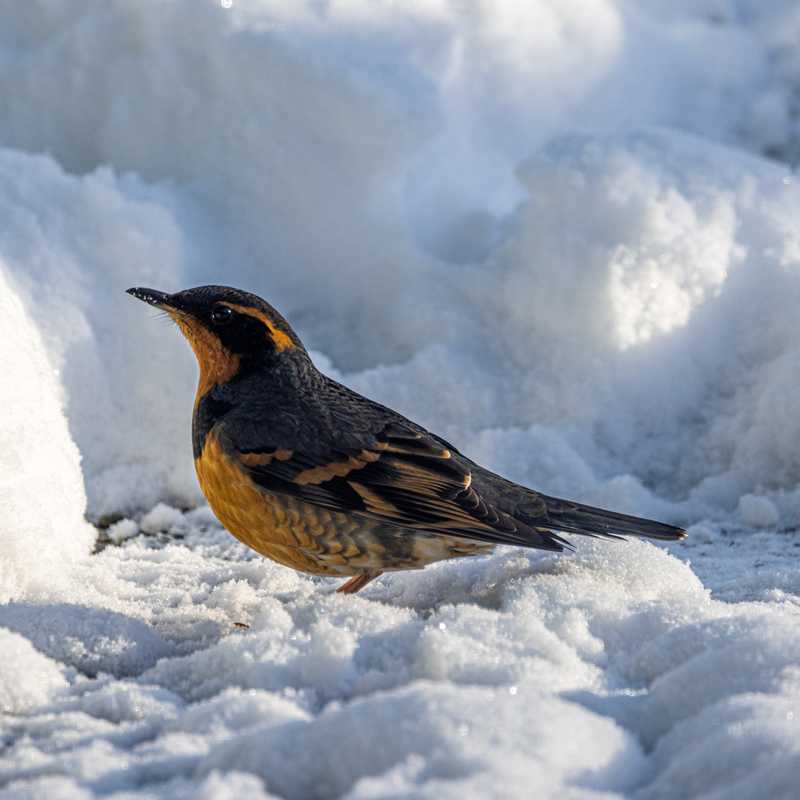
(441, 738)
(42, 500)
(72, 246)
(28, 679)
(757, 512)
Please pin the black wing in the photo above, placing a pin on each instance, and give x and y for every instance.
(399, 475)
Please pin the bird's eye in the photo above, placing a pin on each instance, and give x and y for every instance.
(221, 315)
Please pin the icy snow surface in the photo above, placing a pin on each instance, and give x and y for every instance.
(563, 234)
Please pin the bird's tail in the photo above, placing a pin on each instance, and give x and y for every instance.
(568, 517)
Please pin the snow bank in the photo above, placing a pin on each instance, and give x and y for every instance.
(401, 187)
(42, 500)
(72, 245)
(540, 294)
(635, 328)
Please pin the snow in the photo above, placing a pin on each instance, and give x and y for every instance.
(42, 499)
(614, 671)
(121, 530)
(160, 518)
(757, 512)
(562, 234)
(28, 678)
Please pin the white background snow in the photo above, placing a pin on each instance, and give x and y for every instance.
(563, 233)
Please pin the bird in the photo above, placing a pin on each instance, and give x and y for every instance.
(313, 475)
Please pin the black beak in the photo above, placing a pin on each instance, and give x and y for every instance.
(151, 297)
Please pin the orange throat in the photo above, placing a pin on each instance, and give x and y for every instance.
(217, 364)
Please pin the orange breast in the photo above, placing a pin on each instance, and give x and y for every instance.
(282, 528)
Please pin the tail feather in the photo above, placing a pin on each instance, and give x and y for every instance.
(570, 517)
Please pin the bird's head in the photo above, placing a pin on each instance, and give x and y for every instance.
(227, 328)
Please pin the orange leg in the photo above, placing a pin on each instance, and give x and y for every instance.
(358, 582)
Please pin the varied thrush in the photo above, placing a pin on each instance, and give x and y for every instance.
(317, 477)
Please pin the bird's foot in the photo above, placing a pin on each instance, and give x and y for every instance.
(358, 582)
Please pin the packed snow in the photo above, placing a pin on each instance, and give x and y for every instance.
(564, 235)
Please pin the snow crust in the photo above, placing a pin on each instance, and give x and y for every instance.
(562, 234)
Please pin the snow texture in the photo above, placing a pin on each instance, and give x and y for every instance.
(562, 234)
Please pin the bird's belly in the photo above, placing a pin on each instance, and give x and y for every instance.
(299, 534)
(279, 527)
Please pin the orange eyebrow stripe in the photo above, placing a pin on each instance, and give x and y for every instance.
(282, 340)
